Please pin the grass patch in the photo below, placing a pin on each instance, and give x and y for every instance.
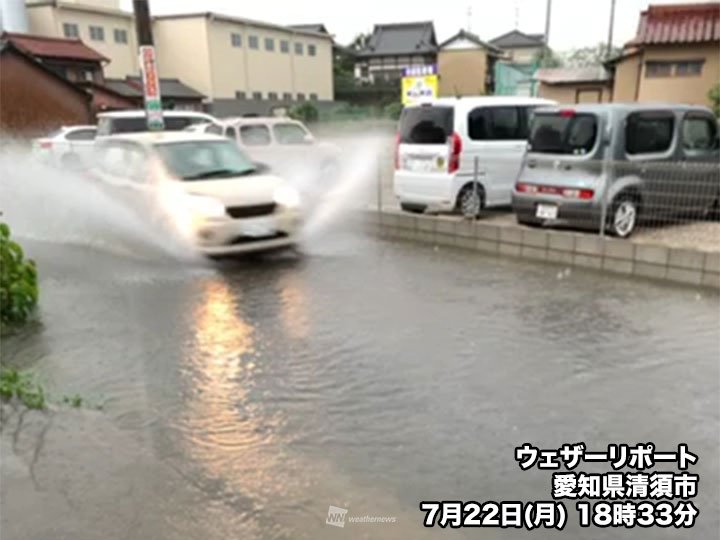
(22, 386)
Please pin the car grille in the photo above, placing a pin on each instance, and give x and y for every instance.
(250, 239)
(256, 210)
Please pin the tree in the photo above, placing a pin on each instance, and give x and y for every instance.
(589, 56)
(546, 58)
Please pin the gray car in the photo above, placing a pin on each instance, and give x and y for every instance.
(617, 164)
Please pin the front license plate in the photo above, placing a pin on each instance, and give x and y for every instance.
(258, 229)
(546, 211)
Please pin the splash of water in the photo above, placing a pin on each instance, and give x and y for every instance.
(46, 203)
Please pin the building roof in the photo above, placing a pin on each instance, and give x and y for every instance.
(572, 75)
(679, 23)
(515, 39)
(169, 88)
(317, 28)
(464, 34)
(51, 47)
(7, 46)
(241, 20)
(401, 38)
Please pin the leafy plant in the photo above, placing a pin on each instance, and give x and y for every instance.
(393, 110)
(714, 97)
(18, 281)
(21, 385)
(75, 401)
(305, 112)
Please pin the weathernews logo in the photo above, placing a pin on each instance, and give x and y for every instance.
(337, 517)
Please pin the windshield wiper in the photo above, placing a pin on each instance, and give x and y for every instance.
(218, 173)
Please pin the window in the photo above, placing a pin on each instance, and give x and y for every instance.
(269, 44)
(689, 68)
(298, 48)
(555, 133)
(426, 125)
(88, 75)
(97, 33)
(81, 135)
(236, 40)
(301, 96)
(272, 95)
(655, 69)
(287, 96)
(699, 133)
(120, 35)
(71, 30)
(204, 160)
(313, 97)
(311, 50)
(257, 95)
(255, 135)
(253, 42)
(290, 134)
(649, 132)
(284, 46)
(494, 124)
(239, 94)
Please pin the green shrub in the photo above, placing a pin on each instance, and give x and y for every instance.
(21, 385)
(714, 97)
(393, 110)
(18, 282)
(305, 112)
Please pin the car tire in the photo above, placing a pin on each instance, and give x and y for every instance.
(623, 218)
(412, 208)
(471, 201)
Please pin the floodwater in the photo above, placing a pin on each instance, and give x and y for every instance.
(241, 399)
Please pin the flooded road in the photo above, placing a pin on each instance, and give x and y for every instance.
(241, 399)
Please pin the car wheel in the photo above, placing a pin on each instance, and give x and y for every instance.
(624, 216)
(412, 208)
(471, 200)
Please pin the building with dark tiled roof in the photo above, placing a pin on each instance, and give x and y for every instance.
(519, 47)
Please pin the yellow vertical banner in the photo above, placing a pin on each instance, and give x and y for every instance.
(419, 83)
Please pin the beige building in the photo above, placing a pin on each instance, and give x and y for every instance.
(99, 23)
(465, 65)
(518, 47)
(675, 56)
(227, 57)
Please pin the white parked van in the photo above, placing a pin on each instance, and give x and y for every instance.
(438, 141)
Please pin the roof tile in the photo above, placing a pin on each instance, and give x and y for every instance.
(679, 23)
(49, 47)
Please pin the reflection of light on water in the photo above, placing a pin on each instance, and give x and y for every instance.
(227, 436)
(294, 306)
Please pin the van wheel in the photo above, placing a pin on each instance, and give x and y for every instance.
(624, 216)
(471, 200)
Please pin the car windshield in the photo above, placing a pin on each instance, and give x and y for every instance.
(135, 124)
(426, 125)
(204, 160)
(558, 133)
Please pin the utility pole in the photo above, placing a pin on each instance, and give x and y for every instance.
(610, 30)
(148, 66)
(548, 13)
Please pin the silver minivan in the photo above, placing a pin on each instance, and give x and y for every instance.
(616, 164)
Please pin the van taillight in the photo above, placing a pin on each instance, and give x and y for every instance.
(397, 152)
(567, 113)
(455, 150)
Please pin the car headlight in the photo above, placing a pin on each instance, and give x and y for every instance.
(287, 196)
(206, 206)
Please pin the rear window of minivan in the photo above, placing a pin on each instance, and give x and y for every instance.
(426, 125)
(558, 133)
(135, 124)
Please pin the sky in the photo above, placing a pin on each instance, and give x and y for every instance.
(574, 23)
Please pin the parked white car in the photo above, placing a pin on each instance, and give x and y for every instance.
(134, 121)
(437, 144)
(208, 187)
(285, 145)
(68, 147)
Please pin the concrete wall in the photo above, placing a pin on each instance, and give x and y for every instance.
(575, 93)
(49, 20)
(183, 52)
(691, 90)
(462, 72)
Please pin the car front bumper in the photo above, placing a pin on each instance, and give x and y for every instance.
(227, 236)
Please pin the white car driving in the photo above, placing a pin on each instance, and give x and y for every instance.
(68, 147)
(206, 185)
